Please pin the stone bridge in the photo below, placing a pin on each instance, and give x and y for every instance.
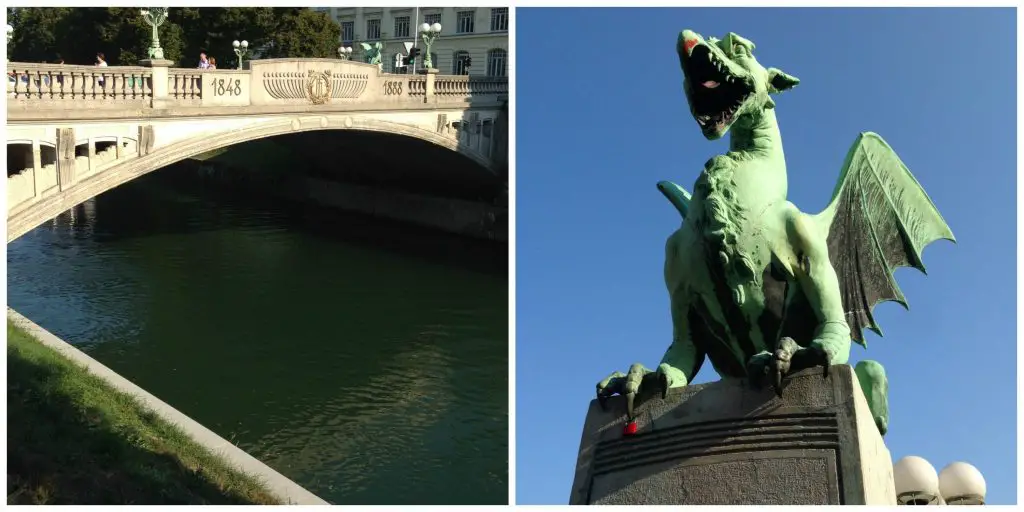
(74, 132)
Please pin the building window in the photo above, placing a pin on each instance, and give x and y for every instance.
(496, 62)
(430, 19)
(402, 26)
(499, 19)
(465, 22)
(372, 30)
(460, 64)
(348, 32)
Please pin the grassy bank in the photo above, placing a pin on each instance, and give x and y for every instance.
(72, 439)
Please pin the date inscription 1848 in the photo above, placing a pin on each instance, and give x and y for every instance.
(227, 87)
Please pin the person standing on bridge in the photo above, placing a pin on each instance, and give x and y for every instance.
(213, 63)
(203, 62)
(60, 76)
(101, 61)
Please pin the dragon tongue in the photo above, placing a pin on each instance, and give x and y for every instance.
(710, 84)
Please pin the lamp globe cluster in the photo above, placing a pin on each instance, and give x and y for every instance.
(917, 483)
(427, 28)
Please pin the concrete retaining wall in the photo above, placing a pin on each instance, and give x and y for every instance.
(286, 490)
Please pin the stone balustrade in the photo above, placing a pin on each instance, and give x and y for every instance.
(34, 88)
(34, 84)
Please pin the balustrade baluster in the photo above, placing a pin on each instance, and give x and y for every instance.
(17, 84)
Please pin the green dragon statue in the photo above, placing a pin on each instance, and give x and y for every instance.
(757, 286)
(372, 52)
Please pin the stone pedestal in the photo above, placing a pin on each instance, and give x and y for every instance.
(724, 443)
(431, 77)
(160, 80)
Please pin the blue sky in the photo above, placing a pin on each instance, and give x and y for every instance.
(601, 117)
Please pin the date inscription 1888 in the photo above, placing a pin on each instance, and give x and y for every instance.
(227, 87)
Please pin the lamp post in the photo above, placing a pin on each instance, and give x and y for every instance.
(917, 483)
(10, 35)
(429, 33)
(240, 49)
(155, 17)
(345, 52)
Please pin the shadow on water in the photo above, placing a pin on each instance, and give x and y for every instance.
(156, 202)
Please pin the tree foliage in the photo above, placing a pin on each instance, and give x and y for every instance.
(44, 34)
(305, 33)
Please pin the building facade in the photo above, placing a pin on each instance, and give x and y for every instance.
(473, 40)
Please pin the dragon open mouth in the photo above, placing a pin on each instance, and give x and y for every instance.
(717, 93)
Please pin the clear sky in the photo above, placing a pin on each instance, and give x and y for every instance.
(601, 117)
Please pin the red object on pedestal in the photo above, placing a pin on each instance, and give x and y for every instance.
(630, 428)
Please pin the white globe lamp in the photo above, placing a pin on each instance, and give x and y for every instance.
(916, 481)
(962, 484)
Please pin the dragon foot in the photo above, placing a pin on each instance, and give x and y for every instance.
(875, 385)
(638, 380)
(769, 368)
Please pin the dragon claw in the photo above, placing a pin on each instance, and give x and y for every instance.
(638, 380)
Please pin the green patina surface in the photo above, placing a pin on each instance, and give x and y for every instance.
(372, 52)
(758, 287)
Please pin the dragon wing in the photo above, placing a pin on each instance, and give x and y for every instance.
(879, 219)
(366, 46)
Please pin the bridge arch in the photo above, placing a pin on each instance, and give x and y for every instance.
(118, 174)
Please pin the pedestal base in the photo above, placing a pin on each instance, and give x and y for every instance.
(156, 63)
(724, 443)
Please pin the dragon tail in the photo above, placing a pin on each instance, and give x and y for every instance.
(677, 195)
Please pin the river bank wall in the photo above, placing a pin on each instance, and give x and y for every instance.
(281, 486)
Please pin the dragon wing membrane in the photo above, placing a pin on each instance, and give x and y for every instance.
(879, 219)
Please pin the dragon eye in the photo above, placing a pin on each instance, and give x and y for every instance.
(739, 49)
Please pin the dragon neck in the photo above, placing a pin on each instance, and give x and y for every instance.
(757, 137)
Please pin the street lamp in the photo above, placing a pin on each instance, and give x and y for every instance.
(10, 35)
(240, 49)
(155, 17)
(918, 484)
(962, 484)
(345, 52)
(429, 33)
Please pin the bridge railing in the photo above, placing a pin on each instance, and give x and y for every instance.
(269, 82)
(49, 83)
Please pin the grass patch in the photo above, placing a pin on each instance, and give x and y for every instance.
(73, 439)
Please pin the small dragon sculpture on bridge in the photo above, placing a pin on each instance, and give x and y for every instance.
(757, 286)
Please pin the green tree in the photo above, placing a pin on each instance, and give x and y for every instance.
(305, 33)
(38, 33)
(76, 34)
(211, 30)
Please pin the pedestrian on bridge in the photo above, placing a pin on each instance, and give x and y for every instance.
(101, 61)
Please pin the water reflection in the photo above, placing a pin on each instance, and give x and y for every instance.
(366, 361)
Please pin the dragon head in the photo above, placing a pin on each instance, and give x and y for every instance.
(724, 83)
